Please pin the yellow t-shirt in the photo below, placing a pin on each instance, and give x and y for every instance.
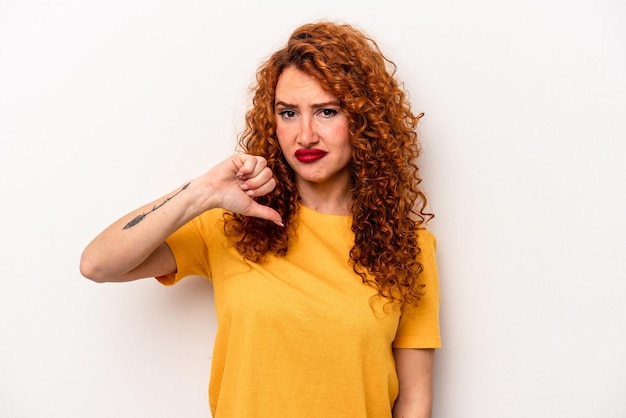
(297, 335)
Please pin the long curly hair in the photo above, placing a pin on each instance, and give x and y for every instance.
(388, 205)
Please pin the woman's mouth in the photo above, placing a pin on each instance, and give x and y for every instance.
(310, 155)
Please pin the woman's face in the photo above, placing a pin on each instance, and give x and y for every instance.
(312, 131)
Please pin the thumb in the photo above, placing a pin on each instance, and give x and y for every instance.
(264, 212)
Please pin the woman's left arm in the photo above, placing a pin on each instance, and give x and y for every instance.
(415, 374)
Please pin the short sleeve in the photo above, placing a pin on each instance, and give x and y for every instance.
(419, 325)
(188, 245)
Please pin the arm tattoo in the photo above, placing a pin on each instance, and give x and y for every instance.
(140, 218)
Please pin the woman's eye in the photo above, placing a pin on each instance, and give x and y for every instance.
(287, 114)
(328, 112)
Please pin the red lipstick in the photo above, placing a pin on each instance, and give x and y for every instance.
(310, 155)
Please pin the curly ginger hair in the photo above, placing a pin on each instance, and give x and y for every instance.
(388, 205)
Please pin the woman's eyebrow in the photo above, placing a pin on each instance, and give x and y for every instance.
(314, 106)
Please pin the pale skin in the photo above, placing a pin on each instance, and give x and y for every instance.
(415, 374)
(307, 117)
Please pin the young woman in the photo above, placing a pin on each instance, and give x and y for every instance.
(314, 238)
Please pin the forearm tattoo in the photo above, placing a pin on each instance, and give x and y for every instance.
(140, 218)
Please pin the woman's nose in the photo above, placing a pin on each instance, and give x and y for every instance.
(307, 135)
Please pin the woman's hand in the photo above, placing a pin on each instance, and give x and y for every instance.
(236, 181)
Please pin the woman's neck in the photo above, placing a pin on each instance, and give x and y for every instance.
(331, 201)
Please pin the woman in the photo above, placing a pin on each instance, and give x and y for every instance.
(324, 276)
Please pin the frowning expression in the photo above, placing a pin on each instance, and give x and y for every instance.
(312, 130)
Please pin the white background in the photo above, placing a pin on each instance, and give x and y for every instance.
(107, 105)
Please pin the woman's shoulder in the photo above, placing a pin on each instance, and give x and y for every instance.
(209, 219)
(425, 238)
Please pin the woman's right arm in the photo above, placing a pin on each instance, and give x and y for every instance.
(134, 246)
